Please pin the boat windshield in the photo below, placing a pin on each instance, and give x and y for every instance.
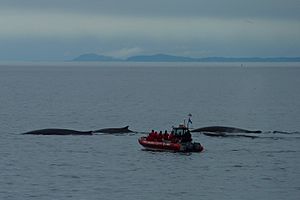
(179, 131)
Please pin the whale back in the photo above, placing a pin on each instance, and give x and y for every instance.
(223, 129)
(53, 131)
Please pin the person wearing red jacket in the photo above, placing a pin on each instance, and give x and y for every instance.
(151, 136)
(160, 137)
(155, 136)
(166, 135)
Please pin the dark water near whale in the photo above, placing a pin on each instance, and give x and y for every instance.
(89, 96)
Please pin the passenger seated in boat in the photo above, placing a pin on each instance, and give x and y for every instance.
(173, 138)
(155, 136)
(160, 137)
(166, 135)
(150, 137)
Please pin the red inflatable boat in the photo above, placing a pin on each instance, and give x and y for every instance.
(180, 141)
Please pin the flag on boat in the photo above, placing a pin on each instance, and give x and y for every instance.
(190, 121)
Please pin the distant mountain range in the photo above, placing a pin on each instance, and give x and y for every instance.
(170, 58)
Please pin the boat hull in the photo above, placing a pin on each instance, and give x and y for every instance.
(168, 146)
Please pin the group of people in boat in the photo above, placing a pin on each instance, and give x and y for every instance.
(169, 137)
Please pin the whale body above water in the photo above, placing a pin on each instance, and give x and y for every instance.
(57, 131)
(223, 129)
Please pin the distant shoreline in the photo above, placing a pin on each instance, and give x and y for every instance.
(170, 58)
(129, 64)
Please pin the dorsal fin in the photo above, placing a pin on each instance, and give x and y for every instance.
(126, 127)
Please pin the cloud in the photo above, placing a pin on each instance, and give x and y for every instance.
(124, 52)
(119, 29)
(164, 28)
(167, 8)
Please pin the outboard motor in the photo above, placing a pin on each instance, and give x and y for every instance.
(197, 146)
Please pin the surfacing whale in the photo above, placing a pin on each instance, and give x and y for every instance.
(114, 130)
(56, 131)
(220, 134)
(223, 129)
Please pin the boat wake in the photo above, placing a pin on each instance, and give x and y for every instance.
(276, 135)
(286, 133)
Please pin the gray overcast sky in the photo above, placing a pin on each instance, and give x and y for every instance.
(63, 29)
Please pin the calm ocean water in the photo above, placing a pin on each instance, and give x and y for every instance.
(89, 96)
